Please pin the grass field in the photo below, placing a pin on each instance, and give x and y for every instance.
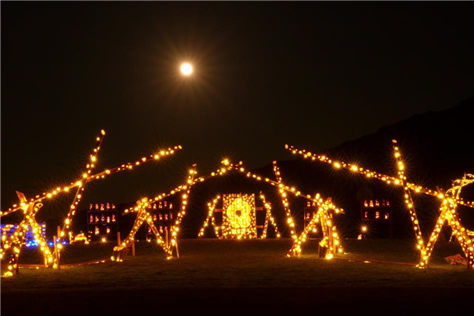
(245, 274)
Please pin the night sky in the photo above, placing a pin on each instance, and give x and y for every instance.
(265, 74)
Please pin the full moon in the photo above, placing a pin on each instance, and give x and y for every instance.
(186, 69)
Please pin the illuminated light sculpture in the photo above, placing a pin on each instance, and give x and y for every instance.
(330, 235)
(8, 229)
(284, 189)
(31, 207)
(97, 176)
(18, 238)
(239, 217)
(145, 203)
(296, 248)
(324, 217)
(210, 218)
(82, 184)
(269, 219)
(402, 180)
(449, 213)
(284, 199)
(144, 216)
(449, 202)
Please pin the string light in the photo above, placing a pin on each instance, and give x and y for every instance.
(286, 204)
(409, 204)
(268, 218)
(81, 187)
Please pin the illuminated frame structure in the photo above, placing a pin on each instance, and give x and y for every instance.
(223, 232)
(330, 239)
(14, 243)
(144, 216)
(448, 210)
(323, 217)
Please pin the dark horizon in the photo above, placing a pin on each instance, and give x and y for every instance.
(311, 74)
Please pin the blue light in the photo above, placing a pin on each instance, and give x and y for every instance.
(31, 243)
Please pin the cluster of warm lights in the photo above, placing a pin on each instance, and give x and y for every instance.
(239, 219)
(410, 204)
(31, 207)
(81, 185)
(184, 204)
(284, 190)
(226, 229)
(18, 239)
(333, 242)
(284, 199)
(449, 202)
(144, 216)
(268, 218)
(210, 218)
(87, 178)
(448, 213)
(324, 217)
(239, 216)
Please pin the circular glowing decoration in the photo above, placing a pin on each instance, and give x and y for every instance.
(186, 69)
(239, 214)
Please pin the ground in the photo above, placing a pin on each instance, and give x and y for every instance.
(220, 276)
